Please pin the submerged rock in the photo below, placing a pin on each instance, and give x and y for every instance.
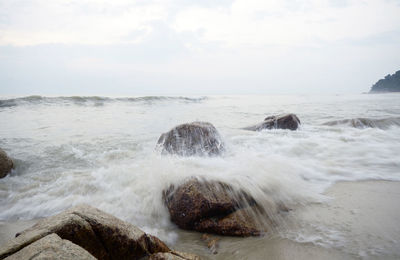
(212, 207)
(101, 234)
(6, 164)
(382, 123)
(288, 121)
(197, 138)
(212, 243)
(175, 255)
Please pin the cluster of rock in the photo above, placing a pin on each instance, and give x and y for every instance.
(6, 164)
(84, 232)
(212, 206)
(203, 139)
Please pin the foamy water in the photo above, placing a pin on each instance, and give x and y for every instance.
(101, 151)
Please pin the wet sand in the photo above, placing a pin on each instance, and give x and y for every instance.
(364, 217)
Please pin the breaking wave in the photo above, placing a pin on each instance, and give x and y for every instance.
(92, 100)
(382, 123)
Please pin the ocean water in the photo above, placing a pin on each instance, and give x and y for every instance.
(102, 151)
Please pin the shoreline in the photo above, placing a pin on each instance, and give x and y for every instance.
(363, 213)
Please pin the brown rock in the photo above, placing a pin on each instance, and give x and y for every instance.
(238, 223)
(6, 164)
(197, 138)
(288, 121)
(195, 200)
(101, 234)
(210, 207)
(51, 247)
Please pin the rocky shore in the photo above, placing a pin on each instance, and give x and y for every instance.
(84, 232)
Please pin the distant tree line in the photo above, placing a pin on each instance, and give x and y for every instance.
(391, 83)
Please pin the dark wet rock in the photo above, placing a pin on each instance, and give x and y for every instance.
(197, 138)
(6, 164)
(51, 247)
(288, 121)
(101, 234)
(212, 207)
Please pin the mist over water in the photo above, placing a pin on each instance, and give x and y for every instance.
(102, 151)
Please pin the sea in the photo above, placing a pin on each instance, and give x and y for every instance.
(103, 151)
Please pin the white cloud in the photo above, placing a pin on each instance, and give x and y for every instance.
(277, 22)
(77, 22)
(190, 46)
(243, 22)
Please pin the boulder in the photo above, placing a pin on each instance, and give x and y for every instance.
(212, 207)
(6, 164)
(288, 121)
(101, 234)
(197, 138)
(51, 247)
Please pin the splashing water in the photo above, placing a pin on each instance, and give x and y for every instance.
(101, 151)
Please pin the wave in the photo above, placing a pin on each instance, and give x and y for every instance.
(382, 123)
(91, 100)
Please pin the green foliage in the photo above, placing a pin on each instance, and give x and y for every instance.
(391, 83)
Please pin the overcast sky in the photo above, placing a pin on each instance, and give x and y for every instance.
(188, 47)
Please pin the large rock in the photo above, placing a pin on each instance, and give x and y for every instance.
(197, 138)
(101, 234)
(51, 247)
(288, 121)
(212, 207)
(6, 164)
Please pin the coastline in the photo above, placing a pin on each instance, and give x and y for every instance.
(365, 212)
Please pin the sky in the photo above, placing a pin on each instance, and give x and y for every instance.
(188, 47)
